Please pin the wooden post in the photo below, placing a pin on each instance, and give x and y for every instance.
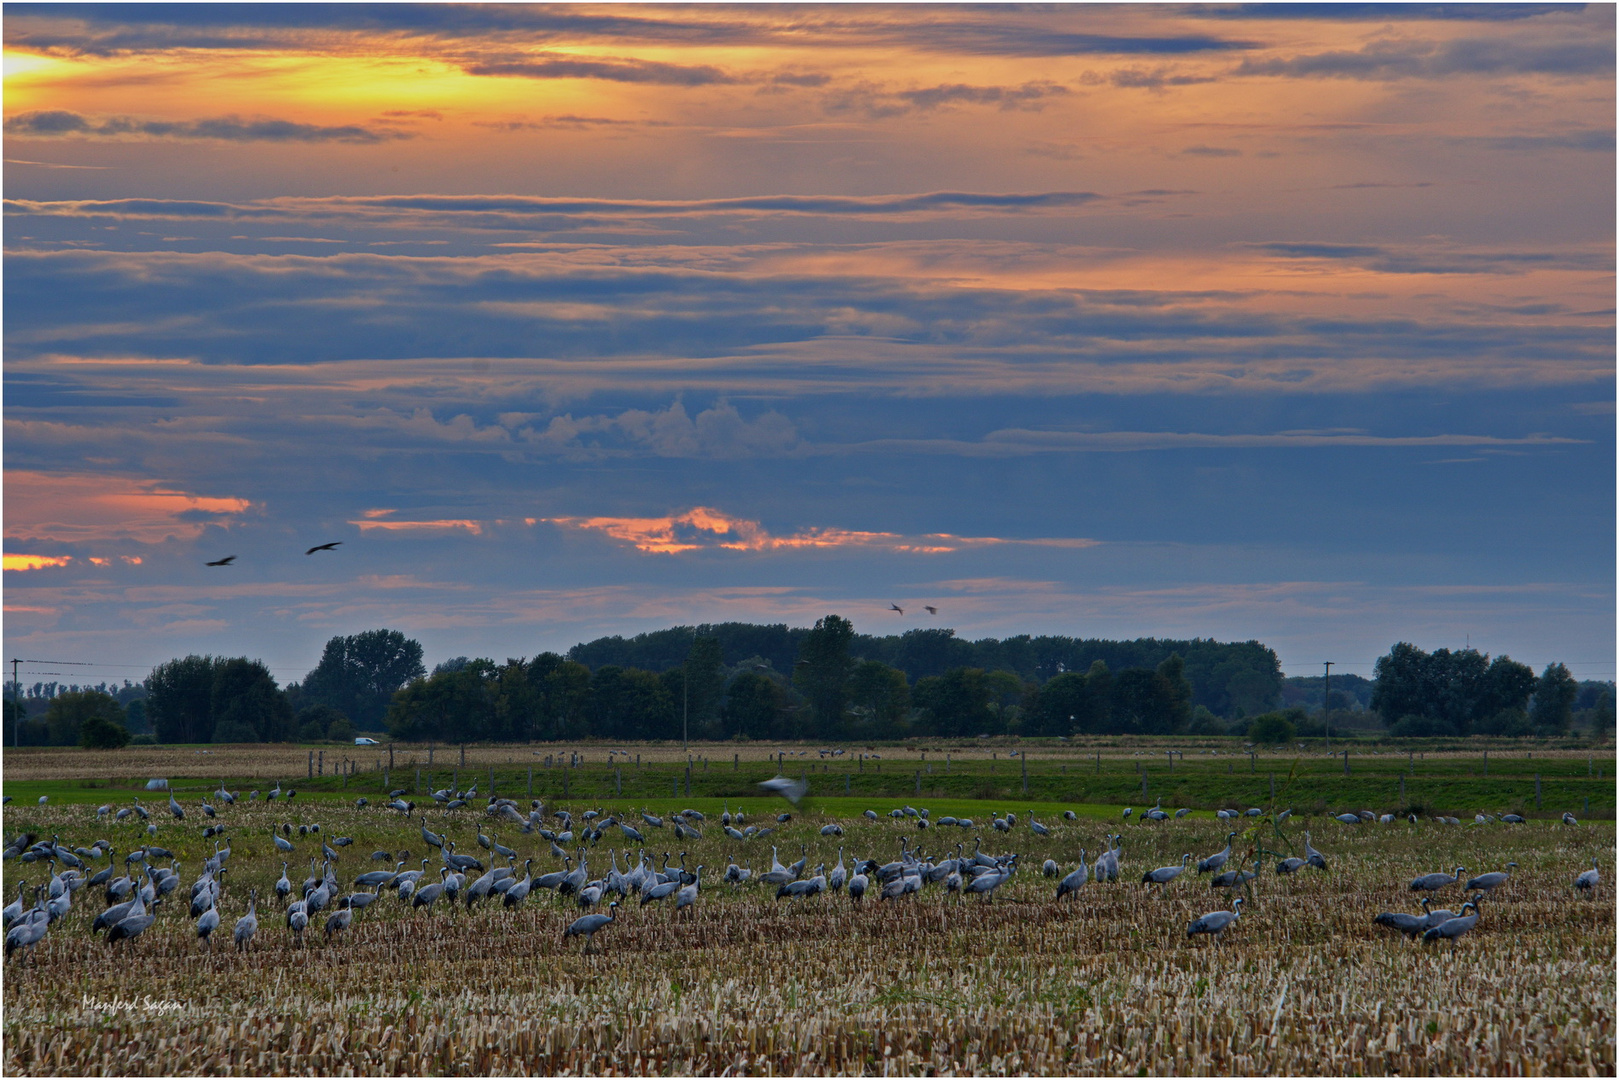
(390, 756)
(862, 762)
(463, 754)
(1402, 791)
(531, 781)
(1346, 762)
(1254, 758)
(385, 786)
(919, 782)
(311, 764)
(736, 762)
(846, 776)
(1486, 763)
(416, 788)
(1537, 791)
(618, 783)
(1024, 757)
(947, 764)
(430, 753)
(688, 777)
(1170, 754)
(1273, 787)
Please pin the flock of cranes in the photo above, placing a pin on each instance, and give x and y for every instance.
(134, 897)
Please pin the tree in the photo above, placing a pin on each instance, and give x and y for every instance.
(179, 700)
(1554, 698)
(245, 695)
(755, 706)
(1457, 690)
(878, 701)
(1272, 728)
(69, 711)
(103, 733)
(957, 703)
(359, 675)
(823, 669)
(315, 722)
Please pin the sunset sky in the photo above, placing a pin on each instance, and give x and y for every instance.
(1231, 321)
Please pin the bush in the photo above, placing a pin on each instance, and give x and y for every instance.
(100, 733)
(1513, 723)
(145, 738)
(233, 731)
(341, 730)
(1421, 727)
(1272, 728)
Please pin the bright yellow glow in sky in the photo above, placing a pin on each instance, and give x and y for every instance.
(28, 64)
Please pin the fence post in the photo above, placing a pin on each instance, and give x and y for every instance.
(311, 764)
(1099, 763)
(618, 783)
(846, 776)
(1402, 791)
(688, 777)
(1170, 754)
(1486, 763)
(736, 762)
(947, 764)
(390, 755)
(463, 754)
(416, 788)
(430, 753)
(1537, 791)
(320, 764)
(1346, 762)
(1024, 757)
(919, 782)
(1273, 787)
(385, 784)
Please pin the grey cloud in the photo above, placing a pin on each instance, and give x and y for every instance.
(56, 122)
(1438, 60)
(1030, 95)
(558, 66)
(1391, 260)
(716, 432)
(1211, 151)
(1506, 12)
(1145, 78)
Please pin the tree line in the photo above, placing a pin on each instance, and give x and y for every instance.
(823, 682)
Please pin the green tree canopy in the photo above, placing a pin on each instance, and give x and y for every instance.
(1555, 692)
(179, 702)
(358, 675)
(823, 669)
(70, 711)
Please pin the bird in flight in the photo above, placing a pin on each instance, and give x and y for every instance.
(323, 547)
(226, 561)
(930, 609)
(896, 607)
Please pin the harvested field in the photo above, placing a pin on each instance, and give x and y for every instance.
(1103, 982)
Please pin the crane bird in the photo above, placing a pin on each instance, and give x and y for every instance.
(323, 547)
(1217, 860)
(1215, 922)
(1409, 925)
(789, 789)
(1487, 882)
(176, 809)
(1074, 880)
(1349, 819)
(688, 893)
(1569, 819)
(1312, 856)
(1290, 865)
(1165, 874)
(340, 919)
(1452, 929)
(1434, 882)
(586, 925)
(248, 924)
(1588, 881)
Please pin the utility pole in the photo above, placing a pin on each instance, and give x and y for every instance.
(1326, 698)
(16, 706)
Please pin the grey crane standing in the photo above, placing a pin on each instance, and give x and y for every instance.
(1165, 874)
(1433, 882)
(1217, 860)
(1588, 881)
(1487, 882)
(248, 924)
(1215, 922)
(1451, 929)
(586, 926)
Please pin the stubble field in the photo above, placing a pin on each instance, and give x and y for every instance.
(1105, 981)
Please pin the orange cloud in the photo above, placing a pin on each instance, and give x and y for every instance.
(35, 562)
(76, 508)
(703, 527)
(473, 527)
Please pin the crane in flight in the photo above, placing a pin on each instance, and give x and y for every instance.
(323, 547)
(226, 561)
(896, 607)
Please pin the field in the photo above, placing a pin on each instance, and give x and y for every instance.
(1103, 982)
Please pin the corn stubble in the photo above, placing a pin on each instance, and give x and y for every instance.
(1103, 983)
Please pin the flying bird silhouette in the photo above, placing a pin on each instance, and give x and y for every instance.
(226, 561)
(930, 609)
(323, 547)
(896, 607)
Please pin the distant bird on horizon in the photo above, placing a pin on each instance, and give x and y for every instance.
(323, 547)
(930, 609)
(896, 607)
(226, 561)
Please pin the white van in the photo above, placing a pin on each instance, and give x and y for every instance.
(363, 741)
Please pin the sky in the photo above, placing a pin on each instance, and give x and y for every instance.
(1287, 323)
